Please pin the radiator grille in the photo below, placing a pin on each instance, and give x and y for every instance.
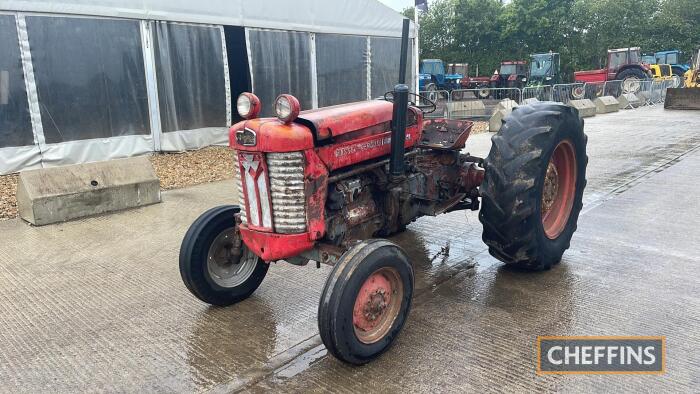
(239, 187)
(286, 171)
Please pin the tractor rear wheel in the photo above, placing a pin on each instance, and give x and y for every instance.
(533, 187)
(215, 264)
(365, 301)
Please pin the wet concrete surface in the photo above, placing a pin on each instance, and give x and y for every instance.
(98, 304)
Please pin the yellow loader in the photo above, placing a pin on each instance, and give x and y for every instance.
(689, 96)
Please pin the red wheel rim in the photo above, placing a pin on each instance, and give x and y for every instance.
(377, 305)
(559, 189)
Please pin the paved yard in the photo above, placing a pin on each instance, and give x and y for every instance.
(98, 304)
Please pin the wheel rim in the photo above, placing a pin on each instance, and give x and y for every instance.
(229, 262)
(631, 84)
(377, 305)
(483, 93)
(558, 189)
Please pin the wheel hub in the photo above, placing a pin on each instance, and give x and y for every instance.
(377, 305)
(229, 262)
(551, 187)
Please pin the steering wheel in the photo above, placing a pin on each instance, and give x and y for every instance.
(427, 107)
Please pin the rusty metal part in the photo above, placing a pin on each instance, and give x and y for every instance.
(445, 134)
(377, 305)
(471, 175)
(558, 190)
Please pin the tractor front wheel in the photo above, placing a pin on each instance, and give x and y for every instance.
(215, 264)
(533, 186)
(365, 301)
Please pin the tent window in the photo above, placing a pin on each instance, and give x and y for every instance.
(341, 68)
(15, 123)
(280, 64)
(385, 65)
(190, 72)
(90, 77)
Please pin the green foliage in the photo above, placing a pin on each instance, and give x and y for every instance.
(484, 32)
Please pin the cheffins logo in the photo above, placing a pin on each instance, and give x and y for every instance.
(601, 355)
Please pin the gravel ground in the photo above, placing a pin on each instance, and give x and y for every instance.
(8, 191)
(175, 170)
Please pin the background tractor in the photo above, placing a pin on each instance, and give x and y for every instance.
(678, 68)
(545, 69)
(511, 74)
(467, 82)
(432, 77)
(327, 185)
(624, 64)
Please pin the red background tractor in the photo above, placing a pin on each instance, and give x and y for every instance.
(322, 185)
(624, 64)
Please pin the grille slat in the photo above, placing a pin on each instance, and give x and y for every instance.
(239, 186)
(286, 171)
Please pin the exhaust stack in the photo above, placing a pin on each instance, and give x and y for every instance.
(398, 119)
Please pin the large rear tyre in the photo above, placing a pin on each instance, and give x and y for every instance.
(215, 264)
(365, 301)
(632, 79)
(533, 186)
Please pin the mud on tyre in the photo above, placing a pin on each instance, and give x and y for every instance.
(533, 187)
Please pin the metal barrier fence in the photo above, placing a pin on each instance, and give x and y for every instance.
(482, 102)
(565, 92)
(542, 93)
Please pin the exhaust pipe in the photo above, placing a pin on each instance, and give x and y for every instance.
(398, 119)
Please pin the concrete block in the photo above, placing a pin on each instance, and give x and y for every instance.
(467, 108)
(506, 104)
(531, 100)
(606, 104)
(629, 100)
(585, 107)
(51, 195)
(495, 121)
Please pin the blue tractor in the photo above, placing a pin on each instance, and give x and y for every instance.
(433, 78)
(674, 59)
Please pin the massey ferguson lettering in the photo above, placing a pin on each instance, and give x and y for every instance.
(350, 149)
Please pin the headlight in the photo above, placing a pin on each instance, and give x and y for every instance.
(524, 79)
(287, 108)
(548, 78)
(248, 105)
(458, 81)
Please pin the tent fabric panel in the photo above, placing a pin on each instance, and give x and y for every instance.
(194, 139)
(99, 149)
(341, 68)
(15, 159)
(360, 17)
(15, 121)
(90, 77)
(281, 63)
(189, 63)
(385, 54)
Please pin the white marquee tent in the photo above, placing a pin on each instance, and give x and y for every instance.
(86, 81)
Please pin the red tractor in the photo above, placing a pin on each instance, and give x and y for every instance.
(511, 75)
(623, 64)
(322, 185)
